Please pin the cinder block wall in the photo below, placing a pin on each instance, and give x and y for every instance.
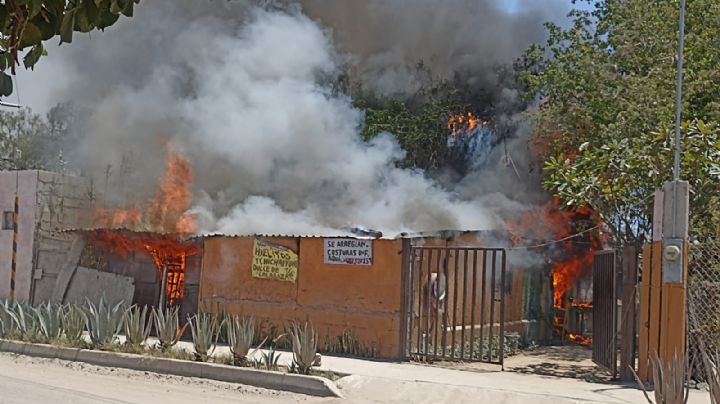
(335, 298)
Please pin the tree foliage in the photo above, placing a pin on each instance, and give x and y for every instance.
(419, 123)
(25, 24)
(30, 141)
(607, 86)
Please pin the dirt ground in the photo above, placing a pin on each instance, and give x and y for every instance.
(571, 361)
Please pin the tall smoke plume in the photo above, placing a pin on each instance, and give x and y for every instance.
(245, 93)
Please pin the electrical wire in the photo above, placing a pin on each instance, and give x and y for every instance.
(556, 241)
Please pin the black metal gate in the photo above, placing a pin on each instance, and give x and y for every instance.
(455, 299)
(605, 311)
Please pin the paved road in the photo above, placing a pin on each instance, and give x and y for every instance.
(33, 380)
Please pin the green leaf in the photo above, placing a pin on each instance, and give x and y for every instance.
(67, 26)
(3, 17)
(55, 7)
(128, 10)
(34, 7)
(33, 56)
(83, 21)
(106, 19)
(6, 84)
(31, 36)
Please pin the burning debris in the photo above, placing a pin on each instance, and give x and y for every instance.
(570, 254)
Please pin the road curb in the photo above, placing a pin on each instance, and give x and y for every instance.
(310, 385)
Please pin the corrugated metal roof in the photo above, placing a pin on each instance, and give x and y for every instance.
(210, 235)
(339, 234)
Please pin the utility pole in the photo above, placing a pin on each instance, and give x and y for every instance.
(675, 235)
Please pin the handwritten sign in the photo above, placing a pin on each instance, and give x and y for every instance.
(274, 262)
(347, 251)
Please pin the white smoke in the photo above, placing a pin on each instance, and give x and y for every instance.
(244, 93)
(275, 150)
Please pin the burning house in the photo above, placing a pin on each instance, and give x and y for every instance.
(381, 294)
(349, 285)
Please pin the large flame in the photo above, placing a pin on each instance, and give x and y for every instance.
(157, 225)
(167, 212)
(165, 250)
(555, 227)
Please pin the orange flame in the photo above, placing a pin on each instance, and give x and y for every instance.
(167, 212)
(166, 215)
(579, 339)
(552, 222)
(565, 273)
(163, 249)
(464, 123)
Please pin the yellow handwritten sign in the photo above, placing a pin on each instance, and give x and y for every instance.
(274, 262)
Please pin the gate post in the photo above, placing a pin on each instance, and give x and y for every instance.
(405, 306)
(628, 317)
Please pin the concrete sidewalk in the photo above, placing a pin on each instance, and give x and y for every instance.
(401, 380)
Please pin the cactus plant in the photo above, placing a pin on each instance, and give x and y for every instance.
(23, 316)
(49, 317)
(304, 345)
(669, 380)
(104, 322)
(7, 324)
(73, 323)
(137, 326)
(205, 330)
(240, 334)
(167, 325)
(268, 361)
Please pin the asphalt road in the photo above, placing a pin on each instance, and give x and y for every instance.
(32, 380)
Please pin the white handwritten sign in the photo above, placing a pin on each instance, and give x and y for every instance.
(347, 251)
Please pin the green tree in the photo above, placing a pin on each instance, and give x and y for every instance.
(420, 123)
(22, 140)
(29, 141)
(607, 85)
(25, 24)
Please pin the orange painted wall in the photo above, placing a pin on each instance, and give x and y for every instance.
(335, 298)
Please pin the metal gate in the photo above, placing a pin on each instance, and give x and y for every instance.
(605, 311)
(456, 304)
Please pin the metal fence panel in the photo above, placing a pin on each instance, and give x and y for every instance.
(605, 311)
(703, 304)
(456, 304)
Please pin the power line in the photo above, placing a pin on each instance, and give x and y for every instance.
(556, 241)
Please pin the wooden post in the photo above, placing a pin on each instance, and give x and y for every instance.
(674, 279)
(628, 316)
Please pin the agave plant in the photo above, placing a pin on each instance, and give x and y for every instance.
(104, 321)
(304, 345)
(73, 323)
(240, 334)
(49, 318)
(669, 380)
(167, 325)
(137, 326)
(7, 324)
(205, 330)
(268, 361)
(25, 320)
